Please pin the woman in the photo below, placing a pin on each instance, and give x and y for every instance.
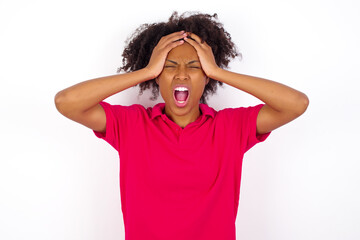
(180, 161)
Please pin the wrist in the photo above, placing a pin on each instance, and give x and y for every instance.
(148, 73)
(216, 73)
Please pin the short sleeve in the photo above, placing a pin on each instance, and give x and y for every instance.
(253, 138)
(120, 122)
(112, 130)
(242, 125)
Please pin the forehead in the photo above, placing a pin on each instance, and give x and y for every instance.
(183, 52)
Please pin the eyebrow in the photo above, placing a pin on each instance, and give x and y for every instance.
(193, 61)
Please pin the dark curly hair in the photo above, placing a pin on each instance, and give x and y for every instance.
(140, 45)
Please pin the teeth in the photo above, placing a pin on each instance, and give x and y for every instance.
(181, 89)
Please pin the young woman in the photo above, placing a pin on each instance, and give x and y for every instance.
(180, 161)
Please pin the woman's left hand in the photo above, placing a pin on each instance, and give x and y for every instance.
(204, 52)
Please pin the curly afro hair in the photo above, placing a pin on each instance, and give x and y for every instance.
(140, 45)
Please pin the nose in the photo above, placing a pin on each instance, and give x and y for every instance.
(182, 73)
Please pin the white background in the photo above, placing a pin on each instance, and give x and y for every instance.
(58, 181)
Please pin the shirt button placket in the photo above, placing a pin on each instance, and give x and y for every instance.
(178, 132)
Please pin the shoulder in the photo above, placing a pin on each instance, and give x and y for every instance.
(240, 111)
(133, 107)
(134, 110)
(121, 111)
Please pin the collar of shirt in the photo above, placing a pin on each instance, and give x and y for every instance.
(205, 109)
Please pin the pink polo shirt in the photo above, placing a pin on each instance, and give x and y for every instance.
(180, 183)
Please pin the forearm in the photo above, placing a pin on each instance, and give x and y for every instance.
(87, 94)
(276, 95)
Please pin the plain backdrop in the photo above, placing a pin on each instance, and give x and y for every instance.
(58, 181)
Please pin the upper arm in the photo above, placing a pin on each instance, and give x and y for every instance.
(94, 118)
(269, 119)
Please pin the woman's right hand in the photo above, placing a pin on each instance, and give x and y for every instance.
(80, 102)
(161, 50)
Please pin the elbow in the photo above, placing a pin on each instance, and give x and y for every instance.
(302, 104)
(60, 101)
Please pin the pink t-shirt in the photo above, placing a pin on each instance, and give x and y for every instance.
(180, 183)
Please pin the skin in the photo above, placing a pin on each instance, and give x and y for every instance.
(282, 103)
(80, 102)
(182, 66)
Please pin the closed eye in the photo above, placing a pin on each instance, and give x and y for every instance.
(172, 66)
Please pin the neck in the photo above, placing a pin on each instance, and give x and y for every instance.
(183, 120)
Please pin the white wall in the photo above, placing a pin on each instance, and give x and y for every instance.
(58, 181)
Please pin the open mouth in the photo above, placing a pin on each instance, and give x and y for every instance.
(181, 95)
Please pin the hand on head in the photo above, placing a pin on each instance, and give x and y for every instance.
(161, 50)
(204, 52)
(168, 42)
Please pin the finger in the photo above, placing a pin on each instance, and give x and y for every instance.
(174, 44)
(174, 41)
(193, 43)
(175, 35)
(194, 37)
(165, 40)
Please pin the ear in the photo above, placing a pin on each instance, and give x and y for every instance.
(207, 80)
(157, 81)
